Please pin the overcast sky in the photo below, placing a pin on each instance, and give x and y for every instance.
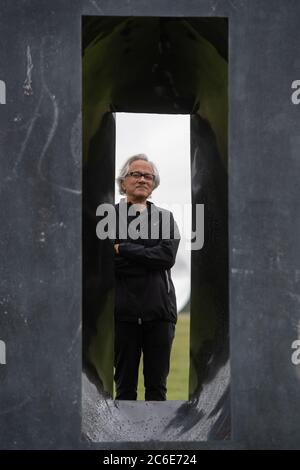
(165, 139)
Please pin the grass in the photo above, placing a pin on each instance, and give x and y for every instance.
(178, 379)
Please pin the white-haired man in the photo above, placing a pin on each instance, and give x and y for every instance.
(145, 304)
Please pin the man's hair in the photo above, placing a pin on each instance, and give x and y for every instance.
(125, 169)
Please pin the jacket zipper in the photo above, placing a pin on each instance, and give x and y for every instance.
(168, 282)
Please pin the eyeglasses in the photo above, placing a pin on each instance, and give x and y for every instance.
(137, 175)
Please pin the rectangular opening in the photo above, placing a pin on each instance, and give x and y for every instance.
(162, 66)
(165, 139)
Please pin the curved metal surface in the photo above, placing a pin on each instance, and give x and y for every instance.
(136, 421)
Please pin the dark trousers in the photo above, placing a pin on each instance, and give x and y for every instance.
(154, 339)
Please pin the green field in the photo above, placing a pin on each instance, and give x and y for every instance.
(178, 379)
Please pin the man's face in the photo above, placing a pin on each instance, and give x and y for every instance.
(138, 189)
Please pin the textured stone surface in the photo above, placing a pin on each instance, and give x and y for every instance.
(40, 316)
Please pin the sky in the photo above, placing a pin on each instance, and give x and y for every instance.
(165, 139)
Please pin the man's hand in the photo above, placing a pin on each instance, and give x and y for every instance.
(116, 248)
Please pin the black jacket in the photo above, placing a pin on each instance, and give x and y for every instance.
(144, 288)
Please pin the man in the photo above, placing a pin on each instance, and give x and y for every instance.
(145, 306)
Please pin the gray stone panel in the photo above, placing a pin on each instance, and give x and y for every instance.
(41, 213)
